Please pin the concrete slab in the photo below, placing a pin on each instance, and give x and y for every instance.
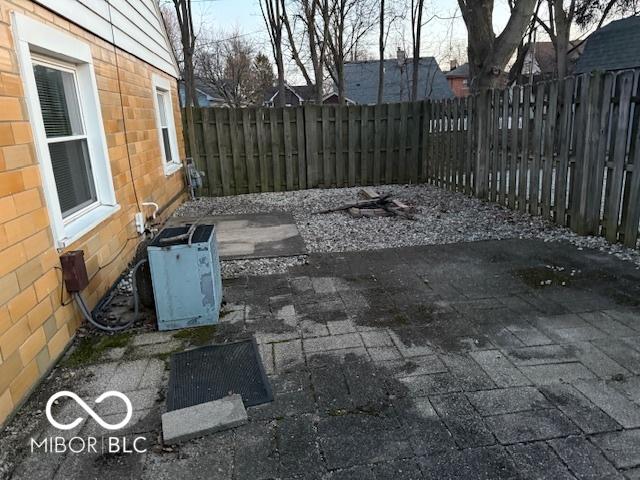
(192, 422)
(258, 235)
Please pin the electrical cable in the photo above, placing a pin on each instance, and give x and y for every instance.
(62, 302)
(88, 316)
(124, 121)
(115, 257)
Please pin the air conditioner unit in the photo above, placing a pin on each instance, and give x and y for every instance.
(185, 274)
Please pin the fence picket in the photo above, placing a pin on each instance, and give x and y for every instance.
(513, 153)
(301, 149)
(351, 133)
(504, 139)
(534, 175)
(362, 179)
(311, 145)
(288, 155)
(523, 180)
(248, 149)
(471, 114)
(424, 142)
(448, 145)
(389, 158)
(549, 144)
(631, 213)
(563, 158)
(238, 174)
(402, 147)
(619, 151)
(377, 140)
(414, 163)
(225, 171)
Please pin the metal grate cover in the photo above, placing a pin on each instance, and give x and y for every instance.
(212, 372)
(201, 234)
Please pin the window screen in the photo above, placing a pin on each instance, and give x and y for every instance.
(66, 137)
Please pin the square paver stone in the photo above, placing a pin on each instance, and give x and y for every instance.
(199, 420)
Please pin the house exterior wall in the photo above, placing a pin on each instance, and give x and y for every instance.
(458, 86)
(34, 327)
(291, 99)
(133, 25)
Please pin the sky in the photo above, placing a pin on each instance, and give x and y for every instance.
(443, 39)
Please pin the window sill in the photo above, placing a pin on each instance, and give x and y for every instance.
(171, 168)
(84, 224)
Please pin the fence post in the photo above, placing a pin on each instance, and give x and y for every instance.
(482, 156)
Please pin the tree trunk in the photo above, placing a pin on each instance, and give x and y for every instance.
(315, 49)
(563, 31)
(381, 54)
(273, 19)
(282, 92)
(416, 19)
(340, 75)
(488, 54)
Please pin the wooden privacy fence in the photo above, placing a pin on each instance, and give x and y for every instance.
(275, 149)
(569, 151)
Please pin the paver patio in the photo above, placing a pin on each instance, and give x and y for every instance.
(488, 360)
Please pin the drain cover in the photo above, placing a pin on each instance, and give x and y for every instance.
(216, 371)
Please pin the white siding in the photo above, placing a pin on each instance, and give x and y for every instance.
(135, 26)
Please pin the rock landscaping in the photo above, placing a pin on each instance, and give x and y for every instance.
(441, 217)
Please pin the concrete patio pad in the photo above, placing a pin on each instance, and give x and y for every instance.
(513, 359)
(260, 235)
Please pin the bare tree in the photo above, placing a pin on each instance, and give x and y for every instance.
(306, 14)
(262, 78)
(390, 12)
(417, 8)
(184, 17)
(523, 50)
(173, 33)
(272, 12)
(489, 54)
(381, 54)
(563, 15)
(593, 13)
(228, 66)
(344, 24)
(558, 27)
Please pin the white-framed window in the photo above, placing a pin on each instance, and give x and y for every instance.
(62, 99)
(166, 126)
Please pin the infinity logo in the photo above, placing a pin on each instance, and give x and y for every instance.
(87, 408)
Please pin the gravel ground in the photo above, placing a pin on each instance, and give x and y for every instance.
(441, 217)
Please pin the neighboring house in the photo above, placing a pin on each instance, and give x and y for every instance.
(540, 60)
(89, 130)
(206, 95)
(333, 98)
(458, 79)
(613, 47)
(294, 95)
(361, 79)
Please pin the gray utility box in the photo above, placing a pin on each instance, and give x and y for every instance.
(187, 285)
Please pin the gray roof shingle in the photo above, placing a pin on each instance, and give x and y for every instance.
(613, 47)
(361, 79)
(461, 72)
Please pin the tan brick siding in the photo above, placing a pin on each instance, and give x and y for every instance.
(34, 327)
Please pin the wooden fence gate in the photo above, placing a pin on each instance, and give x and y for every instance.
(569, 151)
